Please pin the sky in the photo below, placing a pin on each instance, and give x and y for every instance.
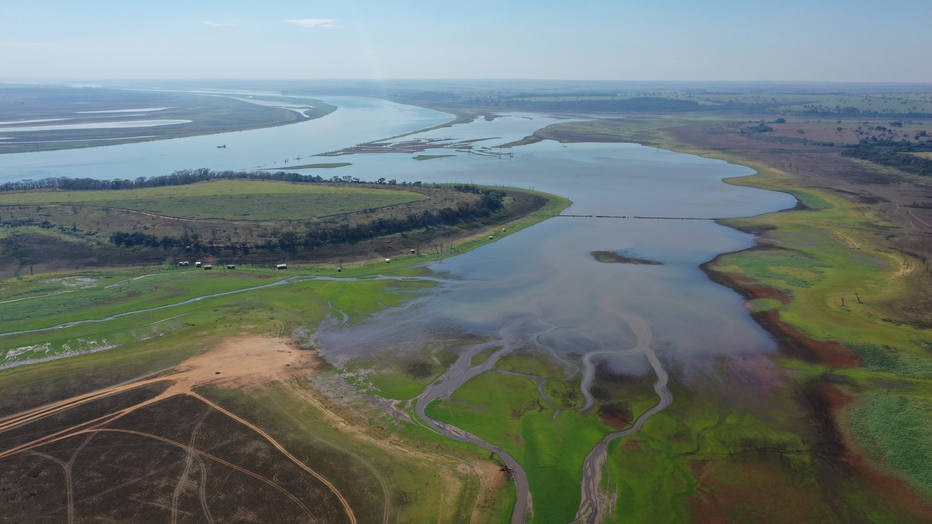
(660, 40)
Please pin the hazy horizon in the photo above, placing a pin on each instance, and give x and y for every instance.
(727, 41)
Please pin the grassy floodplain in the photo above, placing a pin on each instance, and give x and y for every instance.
(97, 329)
(845, 288)
(842, 282)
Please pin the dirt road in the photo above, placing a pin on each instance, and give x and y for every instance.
(235, 362)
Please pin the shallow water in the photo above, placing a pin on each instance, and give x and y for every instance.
(543, 286)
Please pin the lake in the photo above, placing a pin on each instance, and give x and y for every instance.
(544, 280)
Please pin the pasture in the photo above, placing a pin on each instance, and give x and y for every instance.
(218, 200)
(241, 220)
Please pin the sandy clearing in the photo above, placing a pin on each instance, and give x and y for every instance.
(241, 361)
(234, 362)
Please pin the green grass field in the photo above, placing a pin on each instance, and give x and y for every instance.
(831, 262)
(225, 199)
(504, 409)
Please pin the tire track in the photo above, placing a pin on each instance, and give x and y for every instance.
(333, 489)
(184, 381)
(69, 489)
(188, 462)
(386, 492)
(265, 480)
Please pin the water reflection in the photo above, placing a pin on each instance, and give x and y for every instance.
(545, 280)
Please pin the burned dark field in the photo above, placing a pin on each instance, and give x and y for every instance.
(155, 450)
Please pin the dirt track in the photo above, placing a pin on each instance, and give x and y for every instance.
(235, 362)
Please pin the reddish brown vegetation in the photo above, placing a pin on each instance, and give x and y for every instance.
(616, 415)
(795, 343)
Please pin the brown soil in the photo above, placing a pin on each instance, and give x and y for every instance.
(492, 481)
(241, 361)
(750, 491)
(798, 345)
(745, 287)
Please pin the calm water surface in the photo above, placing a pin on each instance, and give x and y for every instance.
(356, 120)
(542, 285)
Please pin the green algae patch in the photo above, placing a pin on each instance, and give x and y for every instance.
(613, 257)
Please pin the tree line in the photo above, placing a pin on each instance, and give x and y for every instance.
(317, 235)
(894, 154)
(181, 178)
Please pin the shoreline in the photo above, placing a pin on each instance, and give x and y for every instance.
(297, 117)
(790, 340)
(826, 397)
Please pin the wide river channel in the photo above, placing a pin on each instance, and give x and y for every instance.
(540, 287)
